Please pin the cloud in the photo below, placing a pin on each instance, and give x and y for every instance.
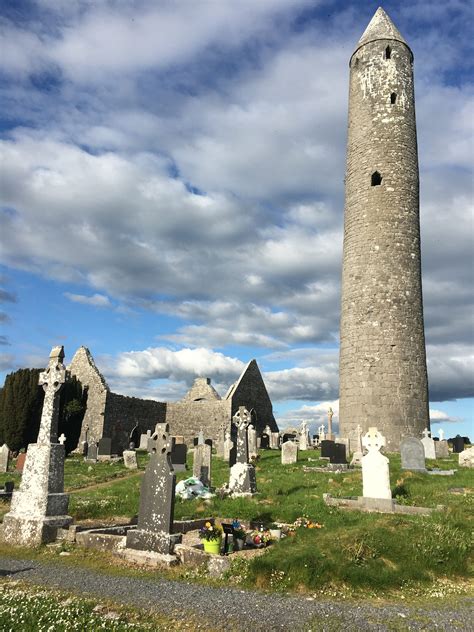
(7, 297)
(7, 362)
(440, 417)
(97, 300)
(450, 372)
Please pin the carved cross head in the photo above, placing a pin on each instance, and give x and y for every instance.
(55, 375)
(426, 433)
(163, 439)
(62, 439)
(441, 434)
(373, 440)
(242, 418)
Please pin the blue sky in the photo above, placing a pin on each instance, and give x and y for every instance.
(171, 191)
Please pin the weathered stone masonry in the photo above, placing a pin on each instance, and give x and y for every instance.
(383, 377)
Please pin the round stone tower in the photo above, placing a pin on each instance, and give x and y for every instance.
(382, 367)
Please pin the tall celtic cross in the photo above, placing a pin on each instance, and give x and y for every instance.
(51, 380)
(242, 419)
(163, 439)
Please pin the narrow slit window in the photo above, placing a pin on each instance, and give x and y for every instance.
(388, 52)
(393, 98)
(376, 179)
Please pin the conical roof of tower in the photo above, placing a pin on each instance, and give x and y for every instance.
(380, 27)
(201, 390)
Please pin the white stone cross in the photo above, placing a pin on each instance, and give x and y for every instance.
(373, 440)
(242, 418)
(51, 380)
(441, 434)
(426, 433)
(62, 439)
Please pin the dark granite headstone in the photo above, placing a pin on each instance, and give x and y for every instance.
(338, 454)
(327, 448)
(208, 442)
(178, 457)
(105, 447)
(265, 442)
(458, 444)
(155, 515)
(92, 452)
(288, 437)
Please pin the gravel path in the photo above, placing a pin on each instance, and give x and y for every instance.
(237, 610)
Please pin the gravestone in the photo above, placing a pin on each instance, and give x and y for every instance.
(179, 455)
(322, 434)
(242, 478)
(20, 462)
(202, 463)
(144, 440)
(221, 435)
(84, 448)
(458, 444)
(338, 454)
(288, 437)
(330, 435)
(275, 440)
(4, 458)
(412, 454)
(375, 472)
(130, 459)
(92, 452)
(40, 506)
(252, 441)
(228, 446)
(289, 453)
(304, 436)
(199, 440)
(428, 444)
(155, 515)
(442, 449)
(327, 448)
(466, 457)
(209, 443)
(441, 434)
(265, 442)
(104, 449)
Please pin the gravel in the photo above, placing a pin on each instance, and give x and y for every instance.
(237, 610)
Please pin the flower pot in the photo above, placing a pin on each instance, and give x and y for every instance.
(275, 534)
(212, 546)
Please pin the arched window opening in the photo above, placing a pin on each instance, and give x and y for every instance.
(376, 179)
(388, 52)
(393, 98)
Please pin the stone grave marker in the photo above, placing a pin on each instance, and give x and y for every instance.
(375, 472)
(156, 510)
(458, 444)
(288, 437)
(330, 435)
(92, 452)
(20, 462)
(242, 478)
(104, 449)
(338, 454)
(40, 505)
(289, 453)
(441, 449)
(275, 440)
(322, 434)
(466, 457)
(264, 442)
(202, 463)
(441, 434)
(304, 436)
(179, 454)
(252, 441)
(228, 445)
(412, 454)
(428, 444)
(130, 459)
(144, 440)
(4, 458)
(327, 448)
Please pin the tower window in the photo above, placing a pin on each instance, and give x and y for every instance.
(376, 179)
(393, 98)
(388, 52)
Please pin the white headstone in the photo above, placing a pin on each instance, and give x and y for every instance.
(466, 457)
(289, 453)
(441, 434)
(4, 458)
(375, 471)
(130, 459)
(252, 442)
(428, 444)
(304, 436)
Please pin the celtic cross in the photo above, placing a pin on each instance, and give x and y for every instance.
(51, 380)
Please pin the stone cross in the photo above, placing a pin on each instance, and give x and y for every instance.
(330, 416)
(441, 434)
(373, 440)
(242, 419)
(321, 433)
(201, 437)
(426, 433)
(62, 439)
(51, 380)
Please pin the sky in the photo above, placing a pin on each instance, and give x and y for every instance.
(172, 192)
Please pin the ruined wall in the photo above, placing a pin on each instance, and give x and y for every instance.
(84, 368)
(187, 418)
(383, 377)
(250, 391)
(123, 413)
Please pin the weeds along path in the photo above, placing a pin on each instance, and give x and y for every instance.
(121, 477)
(237, 610)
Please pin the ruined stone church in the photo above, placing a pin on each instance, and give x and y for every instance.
(114, 416)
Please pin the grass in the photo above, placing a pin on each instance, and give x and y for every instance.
(353, 551)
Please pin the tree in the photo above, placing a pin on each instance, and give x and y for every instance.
(21, 404)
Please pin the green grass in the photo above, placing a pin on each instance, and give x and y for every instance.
(375, 552)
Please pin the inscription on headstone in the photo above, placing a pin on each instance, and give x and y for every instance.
(412, 454)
